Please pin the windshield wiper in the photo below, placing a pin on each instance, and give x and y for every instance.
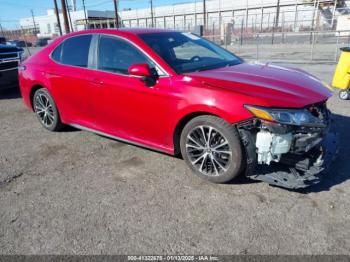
(233, 63)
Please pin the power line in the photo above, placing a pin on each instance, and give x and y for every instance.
(9, 21)
(21, 5)
(98, 4)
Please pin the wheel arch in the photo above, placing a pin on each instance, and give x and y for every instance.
(33, 89)
(180, 126)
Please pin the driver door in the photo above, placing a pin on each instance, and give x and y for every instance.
(124, 105)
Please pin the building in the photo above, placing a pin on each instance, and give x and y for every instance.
(47, 26)
(249, 14)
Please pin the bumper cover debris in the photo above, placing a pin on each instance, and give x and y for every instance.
(282, 175)
(294, 171)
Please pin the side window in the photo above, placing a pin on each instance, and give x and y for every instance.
(116, 55)
(75, 51)
(56, 54)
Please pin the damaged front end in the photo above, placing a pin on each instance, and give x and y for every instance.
(290, 148)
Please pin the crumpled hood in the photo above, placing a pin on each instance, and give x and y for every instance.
(271, 84)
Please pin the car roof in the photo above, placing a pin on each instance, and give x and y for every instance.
(138, 31)
(124, 31)
(131, 34)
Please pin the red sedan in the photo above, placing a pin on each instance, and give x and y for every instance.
(183, 95)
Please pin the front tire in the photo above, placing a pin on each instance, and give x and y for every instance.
(212, 149)
(46, 110)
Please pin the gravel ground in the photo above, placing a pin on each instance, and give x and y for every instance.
(75, 192)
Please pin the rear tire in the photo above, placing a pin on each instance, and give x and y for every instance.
(46, 110)
(212, 149)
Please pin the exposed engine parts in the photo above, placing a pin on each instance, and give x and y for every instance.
(270, 147)
(289, 156)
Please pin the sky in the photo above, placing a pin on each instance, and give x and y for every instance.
(12, 10)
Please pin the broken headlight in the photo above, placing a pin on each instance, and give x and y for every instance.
(296, 117)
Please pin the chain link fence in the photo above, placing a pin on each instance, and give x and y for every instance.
(294, 33)
(291, 47)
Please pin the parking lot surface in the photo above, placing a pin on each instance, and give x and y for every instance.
(75, 192)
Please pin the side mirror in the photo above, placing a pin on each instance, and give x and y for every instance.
(140, 70)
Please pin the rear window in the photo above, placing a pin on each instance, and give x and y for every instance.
(73, 51)
(56, 54)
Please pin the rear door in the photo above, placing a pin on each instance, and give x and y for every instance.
(71, 80)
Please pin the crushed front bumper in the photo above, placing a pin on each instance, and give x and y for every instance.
(294, 171)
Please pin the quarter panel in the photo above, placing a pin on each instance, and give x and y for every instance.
(193, 96)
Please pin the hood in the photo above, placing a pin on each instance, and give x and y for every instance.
(271, 85)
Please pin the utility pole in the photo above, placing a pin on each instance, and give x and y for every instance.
(65, 17)
(35, 31)
(69, 17)
(86, 21)
(58, 17)
(2, 30)
(204, 15)
(116, 13)
(152, 14)
(277, 14)
(195, 13)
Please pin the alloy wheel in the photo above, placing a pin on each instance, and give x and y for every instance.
(44, 109)
(208, 150)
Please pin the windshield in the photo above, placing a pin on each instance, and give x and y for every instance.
(185, 52)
